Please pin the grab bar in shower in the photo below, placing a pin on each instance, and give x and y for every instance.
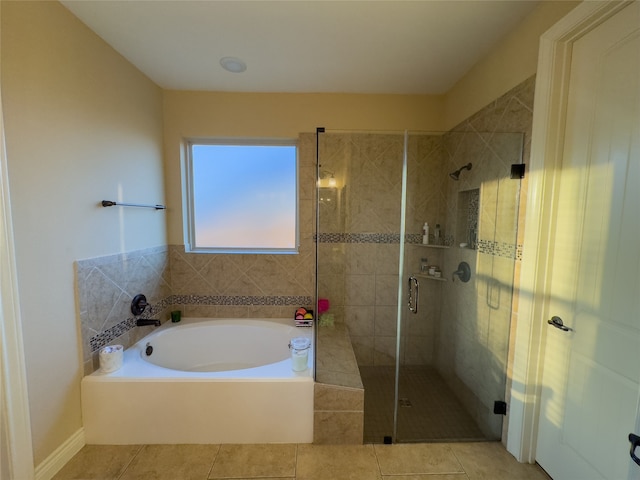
(109, 203)
(413, 302)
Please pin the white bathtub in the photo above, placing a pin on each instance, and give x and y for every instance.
(207, 381)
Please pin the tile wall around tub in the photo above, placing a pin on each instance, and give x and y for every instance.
(242, 286)
(216, 286)
(105, 287)
(200, 285)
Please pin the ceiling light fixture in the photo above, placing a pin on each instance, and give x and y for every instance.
(233, 64)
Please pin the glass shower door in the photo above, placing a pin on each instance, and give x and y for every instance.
(452, 348)
(359, 216)
(421, 393)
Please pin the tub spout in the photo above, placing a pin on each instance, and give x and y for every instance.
(143, 322)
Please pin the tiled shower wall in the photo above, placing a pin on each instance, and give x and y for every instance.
(359, 240)
(479, 317)
(200, 285)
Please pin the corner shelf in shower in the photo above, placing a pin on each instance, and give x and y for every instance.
(430, 277)
(428, 245)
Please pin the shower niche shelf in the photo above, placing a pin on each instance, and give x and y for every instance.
(430, 277)
(428, 245)
(467, 217)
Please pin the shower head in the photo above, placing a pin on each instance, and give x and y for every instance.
(456, 175)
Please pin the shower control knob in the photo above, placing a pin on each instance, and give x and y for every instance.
(463, 272)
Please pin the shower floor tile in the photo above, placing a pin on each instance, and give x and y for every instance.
(428, 410)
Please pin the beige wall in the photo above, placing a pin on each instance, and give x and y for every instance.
(510, 62)
(82, 125)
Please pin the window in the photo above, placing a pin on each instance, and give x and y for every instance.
(242, 197)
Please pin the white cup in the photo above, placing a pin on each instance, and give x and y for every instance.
(111, 358)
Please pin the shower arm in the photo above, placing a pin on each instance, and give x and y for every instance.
(456, 175)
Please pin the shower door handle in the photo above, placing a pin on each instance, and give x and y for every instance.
(413, 300)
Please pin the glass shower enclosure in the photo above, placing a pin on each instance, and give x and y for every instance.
(431, 347)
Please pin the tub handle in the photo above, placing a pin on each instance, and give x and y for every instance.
(138, 304)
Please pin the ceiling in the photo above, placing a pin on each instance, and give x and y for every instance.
(341, 46)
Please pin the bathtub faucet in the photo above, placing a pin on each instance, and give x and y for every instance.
(143, 322)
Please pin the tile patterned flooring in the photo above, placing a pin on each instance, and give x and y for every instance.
(435, 413)
(430, 461)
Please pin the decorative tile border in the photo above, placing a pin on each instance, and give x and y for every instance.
(473, 210)
(519, 252)
(359, 238)
(388, 238)
(413, 238)
(500, 249)
(490, 247)
(106, 337)
(416, 238)
(241, 300)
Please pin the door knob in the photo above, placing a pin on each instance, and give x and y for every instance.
(557, 322)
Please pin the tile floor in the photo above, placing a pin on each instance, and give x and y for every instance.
(424, 461)
(434, 414)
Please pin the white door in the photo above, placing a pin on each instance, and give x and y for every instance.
(591, 379)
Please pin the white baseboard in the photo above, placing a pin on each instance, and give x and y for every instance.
(61, 455)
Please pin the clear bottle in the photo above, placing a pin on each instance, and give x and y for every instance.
(436, 234)
(425, 234)
(424, 265)
(299, 353)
